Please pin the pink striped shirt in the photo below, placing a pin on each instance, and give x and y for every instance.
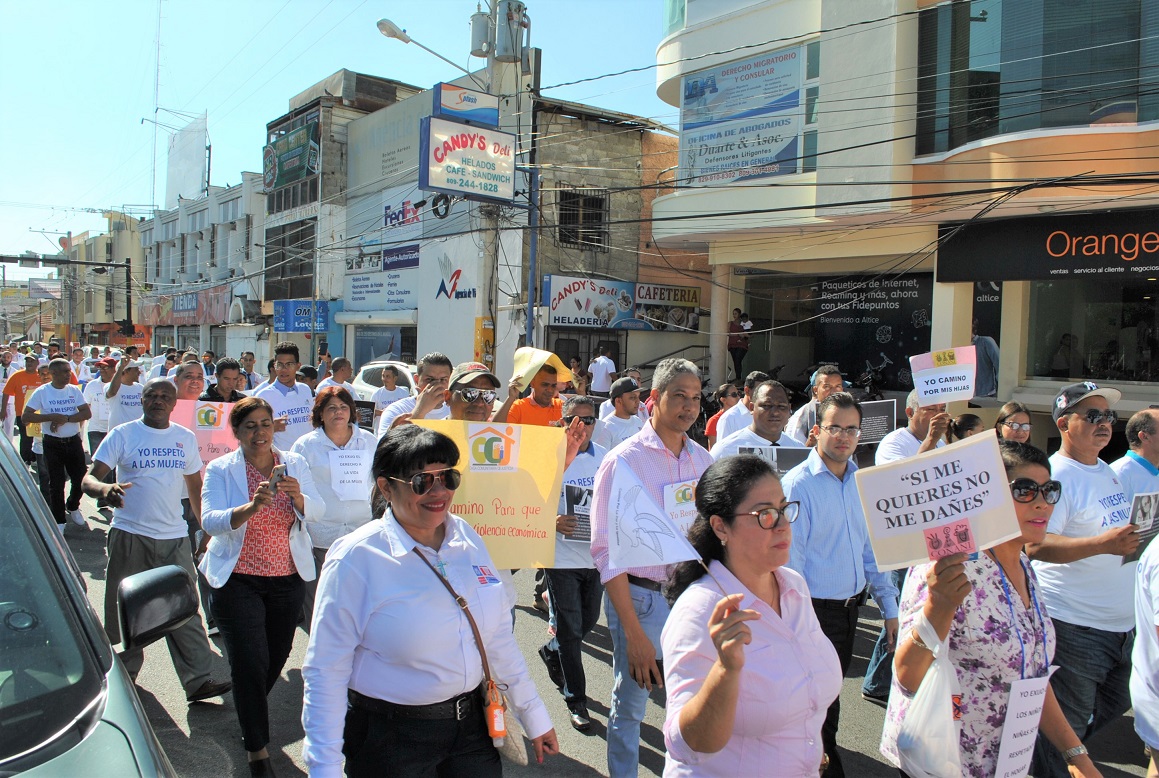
(650, 460)
(791, 675)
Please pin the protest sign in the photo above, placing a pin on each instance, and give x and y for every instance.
(365, 414)
(640, 533)
(1023, 714)
(878, 419)
(512, 475)
(209, 422)
(578, 503)
(944, 376)
(1144, 512)
(350, 473)
(946, 501)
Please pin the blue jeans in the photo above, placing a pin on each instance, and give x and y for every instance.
(879, 673)
(1091, 684)
(629, 700)
(575, 609)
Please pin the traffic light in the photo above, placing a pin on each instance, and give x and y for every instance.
(127, 328)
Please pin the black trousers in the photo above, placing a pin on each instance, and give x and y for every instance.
(257, 615)
(840, 626)
(377, 745)
(738, 355)
(576, 596)
(65, 458)
(25, 443)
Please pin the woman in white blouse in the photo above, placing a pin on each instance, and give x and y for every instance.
(257, 560)
(339, 453)
(748, 672)
(393, 672)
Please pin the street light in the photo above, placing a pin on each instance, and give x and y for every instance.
(392, 30)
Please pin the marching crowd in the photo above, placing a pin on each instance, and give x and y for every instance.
(315, 517)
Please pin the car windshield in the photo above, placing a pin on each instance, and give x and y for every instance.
(48, 676)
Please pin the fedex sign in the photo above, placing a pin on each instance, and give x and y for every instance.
(404, 213)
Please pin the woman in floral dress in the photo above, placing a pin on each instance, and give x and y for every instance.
(998, 630)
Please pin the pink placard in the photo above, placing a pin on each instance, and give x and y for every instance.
(947, 539)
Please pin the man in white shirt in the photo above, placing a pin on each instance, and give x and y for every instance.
(162, 368)
(625, 421)
(826, 381)
(78, 366)
(60, 408)
(293, 402)
(1138, 469)
(434, 371)
(770, 411)
(1085, 588)
(341, 371)
(38, 350)
(573, 581)
(124, 393)
(8, 368)
(390, 391)
(606, 408)
(156, 459)
(253, 379)
(740, 415)
(94, 394)
(925, 432)
(603, 371)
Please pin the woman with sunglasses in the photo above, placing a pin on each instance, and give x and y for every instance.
(253, 504)
(740, 641)
(1013, 423)
(339, 453)
(393, 673)
(728, 396)
(999, 631)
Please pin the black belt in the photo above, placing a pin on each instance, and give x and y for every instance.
(856, 601)
(644, 583)
(457, 708)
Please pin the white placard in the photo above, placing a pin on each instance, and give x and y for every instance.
(640, 533)
(944, 376)
(349, 471)
(1020, 730)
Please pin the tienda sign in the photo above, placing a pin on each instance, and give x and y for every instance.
(464, 160)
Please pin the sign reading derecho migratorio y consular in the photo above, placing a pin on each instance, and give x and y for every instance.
(462, 159)
(742, 119)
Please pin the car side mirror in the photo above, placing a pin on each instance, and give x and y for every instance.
(153, 603)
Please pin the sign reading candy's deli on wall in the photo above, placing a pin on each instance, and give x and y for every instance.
(620, 305)
(461, 159)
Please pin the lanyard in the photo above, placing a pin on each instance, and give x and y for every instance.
(1014, 620)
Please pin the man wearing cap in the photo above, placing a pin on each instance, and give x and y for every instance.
(625, 420)
(470, 395)
(94, 394)
(666, 461)
(1085, 587)
(1138, 469)
(124, 393)
(308, 377)
(434, 371)
(538, 370)
(606, 408)
(740, 415)
(18, 387)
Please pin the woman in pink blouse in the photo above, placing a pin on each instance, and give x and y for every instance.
(998, 630)
(748, 672)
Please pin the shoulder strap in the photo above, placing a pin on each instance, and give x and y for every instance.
(466, 612)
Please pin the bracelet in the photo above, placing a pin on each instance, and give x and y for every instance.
(1073, 753)
(913, 635)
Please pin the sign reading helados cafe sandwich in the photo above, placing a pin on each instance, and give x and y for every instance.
(466, 160)
(621, 305)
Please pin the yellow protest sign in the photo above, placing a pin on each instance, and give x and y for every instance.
(512, 476)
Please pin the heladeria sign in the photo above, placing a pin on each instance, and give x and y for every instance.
(1093, 246)
(461, 159)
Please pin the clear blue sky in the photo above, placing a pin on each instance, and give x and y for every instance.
(76, 78)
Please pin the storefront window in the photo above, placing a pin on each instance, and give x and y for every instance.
(1102, 331)
(990, 67)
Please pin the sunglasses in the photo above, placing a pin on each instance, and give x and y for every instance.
(421, 483)
(732, 394)
(472, 394)
(588, 420)
(1026, 490)
(1095, 416)
(1018, 426)
(770, 518)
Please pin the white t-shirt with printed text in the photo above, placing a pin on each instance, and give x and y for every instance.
(48, 399)
(296, 405)
(125, 405)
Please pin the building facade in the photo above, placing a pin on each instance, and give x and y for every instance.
(96, 299)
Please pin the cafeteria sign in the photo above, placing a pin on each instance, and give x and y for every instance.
(622, 305)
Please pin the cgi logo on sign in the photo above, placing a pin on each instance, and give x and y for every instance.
(404, 214)
(492, 449)
(210, 416)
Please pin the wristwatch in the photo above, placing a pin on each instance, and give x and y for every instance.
(1073, 753)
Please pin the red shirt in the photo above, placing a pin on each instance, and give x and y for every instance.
(266, 548)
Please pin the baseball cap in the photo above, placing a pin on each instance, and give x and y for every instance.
(32, 358)
(529, 361)
(622, 386)
(309, 371)
(1074, 394)
(106, 362)
(465, 372)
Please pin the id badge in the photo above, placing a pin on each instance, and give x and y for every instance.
(680, 503)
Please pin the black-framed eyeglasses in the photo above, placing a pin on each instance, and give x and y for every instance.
(421, 483)
(1026, 490)
(835, 431)
(1095, 416)
(471, 394)
(1017, 426)
(770, 518)
(588, 420)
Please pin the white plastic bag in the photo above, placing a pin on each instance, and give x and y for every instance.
(927, 743)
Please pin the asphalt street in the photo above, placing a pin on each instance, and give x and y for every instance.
(203, 739)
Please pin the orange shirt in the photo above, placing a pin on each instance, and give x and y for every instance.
(20, 385)
(525, 411)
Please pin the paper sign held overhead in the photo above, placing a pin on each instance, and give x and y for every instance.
(944, 376)
(954, 499)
